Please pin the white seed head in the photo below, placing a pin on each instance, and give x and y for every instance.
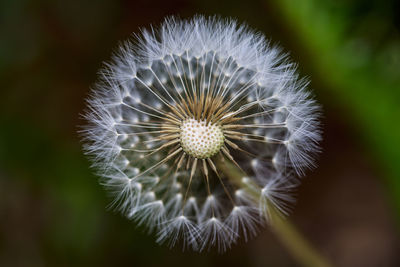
(201, 139)
(177, 111)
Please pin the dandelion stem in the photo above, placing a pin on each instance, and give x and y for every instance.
(297, 245)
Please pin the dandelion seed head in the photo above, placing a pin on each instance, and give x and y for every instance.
(174, 105)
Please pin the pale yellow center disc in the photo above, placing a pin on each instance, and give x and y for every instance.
(200, 139)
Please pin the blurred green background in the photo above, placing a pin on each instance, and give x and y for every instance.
(52, 209)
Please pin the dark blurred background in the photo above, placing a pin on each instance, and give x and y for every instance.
(52, 209)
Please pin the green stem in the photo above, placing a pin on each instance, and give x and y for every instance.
(299, 247)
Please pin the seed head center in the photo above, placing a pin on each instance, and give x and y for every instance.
(200, 139)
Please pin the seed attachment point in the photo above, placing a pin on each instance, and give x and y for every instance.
(201, 139)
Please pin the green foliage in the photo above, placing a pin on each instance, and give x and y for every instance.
(357, 55)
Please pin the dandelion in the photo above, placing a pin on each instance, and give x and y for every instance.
(178, 110)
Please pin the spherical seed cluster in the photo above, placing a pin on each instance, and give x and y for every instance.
(200, 139)
(148, 119)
